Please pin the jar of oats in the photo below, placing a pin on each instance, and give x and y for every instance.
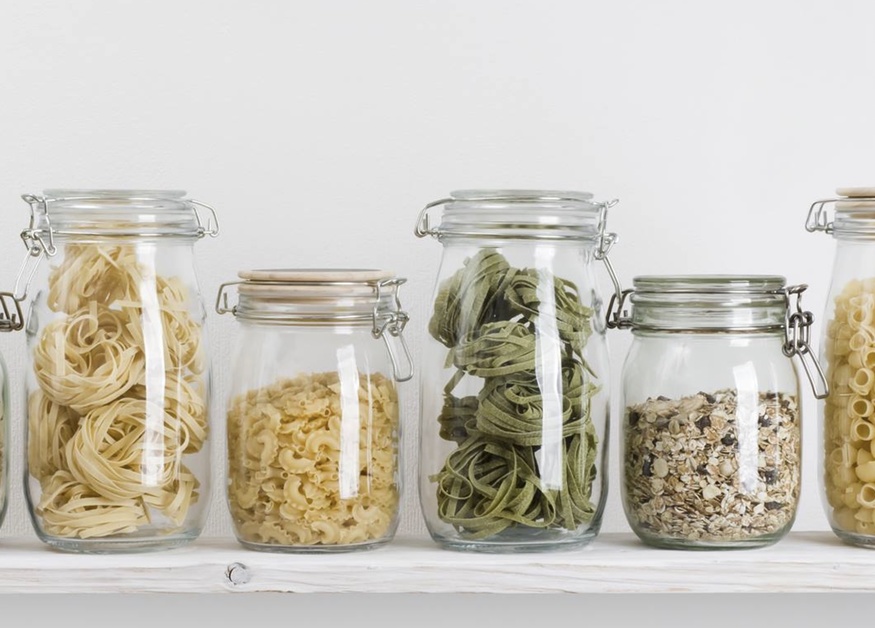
(711, 410)
(313, 412)
(847, 428)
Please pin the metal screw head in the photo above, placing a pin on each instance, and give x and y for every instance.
(237, 574)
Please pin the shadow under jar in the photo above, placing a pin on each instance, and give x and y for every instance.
(118, 382)
(712, 419)
(313, 416)
(514, 383)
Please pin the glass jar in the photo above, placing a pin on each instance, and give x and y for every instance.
(711, 410)
(11, 319)
(514, 380)
(313, 413)
(118, 382)
(847, 426)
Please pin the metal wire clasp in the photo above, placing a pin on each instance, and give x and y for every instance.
(393, 322)
(11, 319)
(222, 306)
(37, 245)
(818, 219)
(617, 317)
(212, 227)
(423, 228)
(797, 338)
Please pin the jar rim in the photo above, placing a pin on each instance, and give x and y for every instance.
(76, 213)
(519, 195)
(709, 284)
(294, 276)
(521, 214)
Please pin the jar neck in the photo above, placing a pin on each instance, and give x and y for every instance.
(517, 215)
(709, 304)
(319, 312)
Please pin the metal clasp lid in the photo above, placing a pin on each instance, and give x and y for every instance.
(818, 217)
(616, 317)
(37, 245)
(387, 324)
(11, 319)
(212, 227)
(393, 322)
(423, 228)
(40, 241)
(797, 338)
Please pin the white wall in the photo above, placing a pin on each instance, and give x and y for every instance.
(319, 129)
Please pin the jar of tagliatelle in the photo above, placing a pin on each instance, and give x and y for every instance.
(118, 380)
(514, 384)
(313, 415)
(848, 349)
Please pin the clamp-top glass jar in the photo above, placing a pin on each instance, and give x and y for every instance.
(313, 412)
(11, 319)
(848, 350)
(712, 417)
(514, 386)
(118, 389)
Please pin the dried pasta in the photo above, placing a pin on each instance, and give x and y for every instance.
(114, 413)
(489, 316)
(289, 482)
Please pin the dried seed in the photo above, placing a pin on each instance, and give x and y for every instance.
(660, 468)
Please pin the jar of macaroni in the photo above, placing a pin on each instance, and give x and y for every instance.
(848, 351)
(313, 417)
(118, 379)
(712, 421)
(514, 385)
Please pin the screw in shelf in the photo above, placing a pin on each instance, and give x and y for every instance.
(237, 574)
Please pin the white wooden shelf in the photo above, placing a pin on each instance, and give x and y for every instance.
(804, 561)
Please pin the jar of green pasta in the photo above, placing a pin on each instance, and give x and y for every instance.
(313, 416)
(847, 348)
(514, 376)
(118, 378)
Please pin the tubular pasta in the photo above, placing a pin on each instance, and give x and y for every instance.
(285, 467)
(105, 442)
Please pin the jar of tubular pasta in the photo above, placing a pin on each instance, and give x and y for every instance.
(313, 414)
(118, 381)
(514, 385)
(712, 423)
(848, 352)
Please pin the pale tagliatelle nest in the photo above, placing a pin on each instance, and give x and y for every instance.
(107, 430)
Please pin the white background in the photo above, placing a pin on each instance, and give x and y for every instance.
(319, 129)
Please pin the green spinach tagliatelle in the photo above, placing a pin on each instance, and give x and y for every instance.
(487, 314)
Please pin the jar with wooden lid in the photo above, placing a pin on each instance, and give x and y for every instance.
(313, 414)
(118, 380)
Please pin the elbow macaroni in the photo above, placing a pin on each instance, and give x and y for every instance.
(292, 433)
(849, 424)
